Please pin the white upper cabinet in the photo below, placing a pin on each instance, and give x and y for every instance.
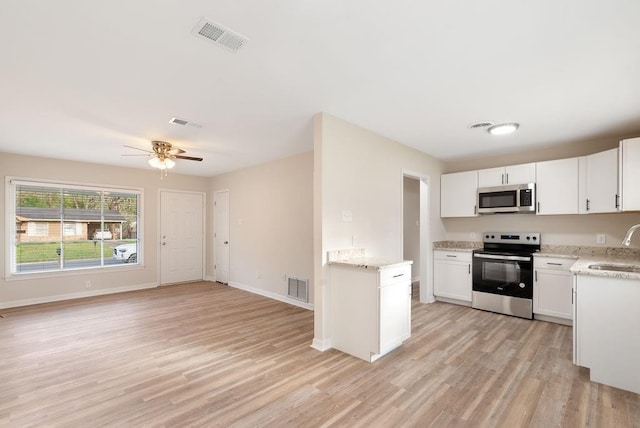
(630, 174)
(557, 186)
(514, 174)
(458, 194)
(599, 183)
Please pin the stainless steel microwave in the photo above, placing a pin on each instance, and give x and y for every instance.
(517, 198)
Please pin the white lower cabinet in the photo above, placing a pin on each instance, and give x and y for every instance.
(605, 330)
(552, 288)
(452, 275)
(371, 309)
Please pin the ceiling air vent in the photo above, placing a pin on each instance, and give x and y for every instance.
(184, 122)
(221, 36)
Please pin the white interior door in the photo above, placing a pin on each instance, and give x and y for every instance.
(221, 235)
(181, 237)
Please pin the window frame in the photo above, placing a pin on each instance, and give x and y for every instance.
(11, 184)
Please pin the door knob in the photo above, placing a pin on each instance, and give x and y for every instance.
(164, 243)
(226, 242)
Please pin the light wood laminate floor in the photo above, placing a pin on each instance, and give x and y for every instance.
(204, 354)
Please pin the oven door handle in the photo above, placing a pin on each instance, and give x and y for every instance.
(496, 257)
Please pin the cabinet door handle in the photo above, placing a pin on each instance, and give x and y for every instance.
(475, 210)
(587, 204)
(502, 179)
(538, 206)
(469, 269)
(617, 201)
(398, 275)
(535, 274)
(507, 180)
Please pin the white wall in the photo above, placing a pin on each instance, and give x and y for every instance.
(359, 171)
(411, 224)
(271, 229)
(72, 284)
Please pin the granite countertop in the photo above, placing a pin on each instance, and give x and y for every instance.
(461, 246)
(583, 255)
(373, 263)
(355, 257)
(581, 267)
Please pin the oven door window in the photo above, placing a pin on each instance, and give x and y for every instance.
(500, 272)
(504, 199)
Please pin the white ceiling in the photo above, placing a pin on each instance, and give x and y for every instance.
(80, 79)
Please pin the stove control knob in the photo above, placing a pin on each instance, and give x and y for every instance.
(528, 238)
(522, 285)
(534, 238)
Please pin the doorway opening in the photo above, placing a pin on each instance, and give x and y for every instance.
(415, 240)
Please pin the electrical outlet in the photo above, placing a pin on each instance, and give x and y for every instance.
(87, 284)
(601, 238)
(258, 275)
(284, 277)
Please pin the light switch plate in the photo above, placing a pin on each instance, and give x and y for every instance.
(601, 238)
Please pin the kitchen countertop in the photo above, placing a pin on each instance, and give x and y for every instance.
(373, 263)
(462, 246)
(584, 256)
(355, 258)
(581, 267)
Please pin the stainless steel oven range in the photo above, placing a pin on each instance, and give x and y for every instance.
(503, 273)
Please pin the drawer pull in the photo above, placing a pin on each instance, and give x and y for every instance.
(554, 264)
(398, 275)
(451, 255)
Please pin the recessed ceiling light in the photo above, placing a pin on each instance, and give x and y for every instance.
(503, 128)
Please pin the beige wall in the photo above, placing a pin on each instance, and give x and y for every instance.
(561, 151)
(361, 172)
(72, 284)
(411, 224)
(270, 219)
(556, 229)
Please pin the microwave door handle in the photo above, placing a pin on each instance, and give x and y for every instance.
(497, 257)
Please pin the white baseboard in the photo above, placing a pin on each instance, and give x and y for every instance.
(454, 301)
(79, 295)
(210, 278)
(271, 295)
(556, 320)
(321, 345)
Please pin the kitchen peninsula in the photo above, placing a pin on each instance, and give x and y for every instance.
(370, 302)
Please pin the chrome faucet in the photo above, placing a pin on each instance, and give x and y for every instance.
(627, 239)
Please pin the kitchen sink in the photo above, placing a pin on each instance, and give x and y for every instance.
(616, 268)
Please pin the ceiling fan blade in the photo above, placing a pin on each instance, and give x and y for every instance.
(176, 151)
(186, 157)
(136, 148)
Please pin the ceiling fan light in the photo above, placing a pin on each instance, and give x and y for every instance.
(157, 163)
(503, 128)
(165, 163)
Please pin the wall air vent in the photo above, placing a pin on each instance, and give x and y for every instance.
(298, 289)
(221, 36)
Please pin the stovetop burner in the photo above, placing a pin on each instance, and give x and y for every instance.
(509, 243)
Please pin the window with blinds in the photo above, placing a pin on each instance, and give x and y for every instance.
(61, 227)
